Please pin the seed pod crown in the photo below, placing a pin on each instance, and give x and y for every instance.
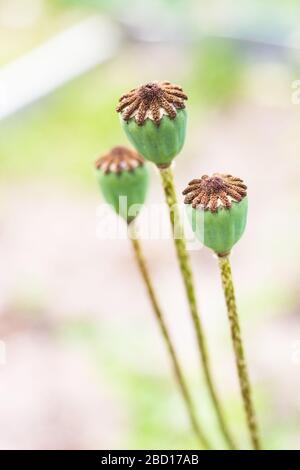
(152, 100)
(213, 192)
(118, 159)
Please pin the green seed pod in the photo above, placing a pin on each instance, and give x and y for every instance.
(123, 179)
(217, 210)
(154, 120)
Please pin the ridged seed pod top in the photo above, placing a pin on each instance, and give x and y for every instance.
(154, 119)
(118, 159)
(152, 100)
(217, 209)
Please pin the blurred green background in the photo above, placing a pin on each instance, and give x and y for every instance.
(85, 367)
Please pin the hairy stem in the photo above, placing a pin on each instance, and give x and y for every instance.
(241, 366)
(168, 341)
(184, 264)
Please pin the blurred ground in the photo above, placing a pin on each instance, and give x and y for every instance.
(85, 364)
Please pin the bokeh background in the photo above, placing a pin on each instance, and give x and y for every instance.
(84, 366)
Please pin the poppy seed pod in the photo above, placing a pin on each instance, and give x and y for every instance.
(217, 210)
(123, 179)
(154, 120)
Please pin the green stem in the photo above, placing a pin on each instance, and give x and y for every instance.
(167, 339)
(184, 264)
(241, 366)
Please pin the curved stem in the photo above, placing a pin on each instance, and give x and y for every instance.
(184, 264)
(241, 366)
(167, 339)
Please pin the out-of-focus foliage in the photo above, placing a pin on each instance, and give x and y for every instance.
(216, 72)
(61, 132)
(110, 4)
